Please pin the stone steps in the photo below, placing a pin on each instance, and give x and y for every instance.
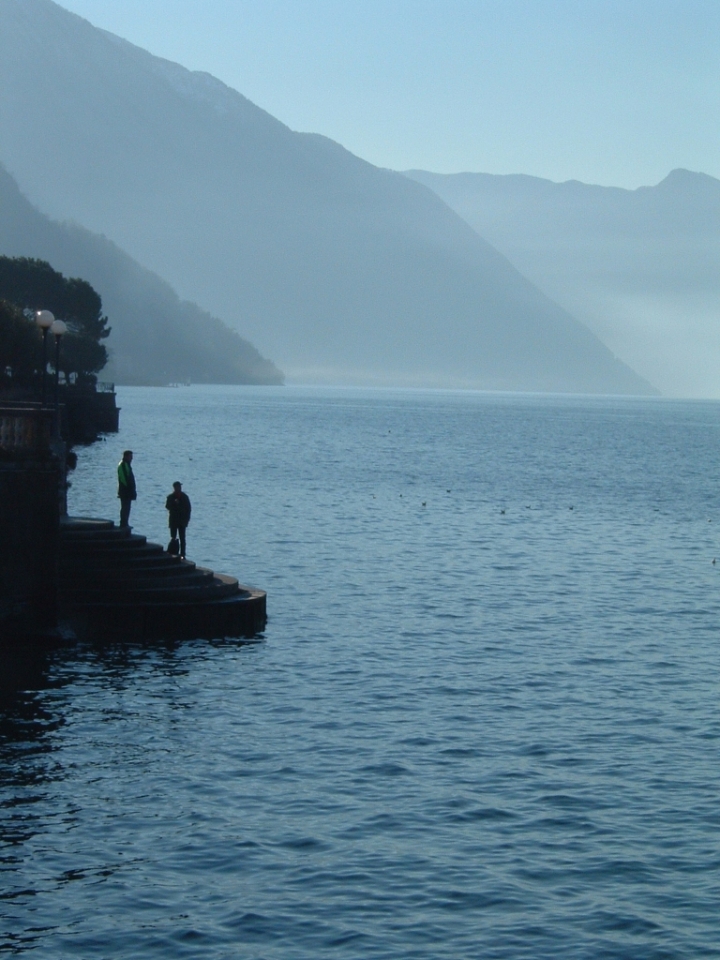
(127, 569)
(122, 584)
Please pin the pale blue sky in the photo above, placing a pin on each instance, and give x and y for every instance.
(606, 91)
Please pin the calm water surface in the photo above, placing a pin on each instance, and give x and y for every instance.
(483, 721)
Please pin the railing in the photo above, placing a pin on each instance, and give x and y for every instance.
(25, 429)
(103, 386)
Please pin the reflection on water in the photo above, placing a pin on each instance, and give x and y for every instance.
(27, 768)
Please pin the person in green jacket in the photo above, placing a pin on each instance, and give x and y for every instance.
(126, 487)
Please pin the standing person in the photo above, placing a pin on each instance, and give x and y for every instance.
(126, 487)
(178, 507)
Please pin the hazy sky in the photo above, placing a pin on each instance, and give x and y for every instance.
(606, 91)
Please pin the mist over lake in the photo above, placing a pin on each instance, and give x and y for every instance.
(482, 720)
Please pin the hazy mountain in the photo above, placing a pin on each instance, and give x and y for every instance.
(640, 267)
(336, 269)
(155, 338)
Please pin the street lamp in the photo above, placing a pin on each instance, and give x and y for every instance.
(58, 328)
(44, 319)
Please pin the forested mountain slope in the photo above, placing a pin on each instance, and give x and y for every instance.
(338, 270)
(641, 268)
(155, 337)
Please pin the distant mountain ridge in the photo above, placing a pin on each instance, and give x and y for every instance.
(641, 267)
(338, 270)
(156, 338)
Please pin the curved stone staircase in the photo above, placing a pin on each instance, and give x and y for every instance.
(114, 584)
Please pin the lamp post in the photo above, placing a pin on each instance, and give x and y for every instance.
(44, 319)
(58, 328)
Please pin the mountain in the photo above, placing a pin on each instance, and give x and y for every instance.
(337, 269)
(641, 267)
(155, 338)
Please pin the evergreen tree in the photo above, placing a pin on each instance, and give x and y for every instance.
(19, 346)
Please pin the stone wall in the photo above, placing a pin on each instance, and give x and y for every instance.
(31, 478)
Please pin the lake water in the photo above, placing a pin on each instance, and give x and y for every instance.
(483, 720)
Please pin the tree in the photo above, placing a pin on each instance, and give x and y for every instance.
(19, 345)
(35, 285)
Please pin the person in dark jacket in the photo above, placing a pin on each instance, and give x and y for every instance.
(178, 507)
(126, 487)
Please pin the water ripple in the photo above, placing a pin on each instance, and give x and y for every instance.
(464, 733)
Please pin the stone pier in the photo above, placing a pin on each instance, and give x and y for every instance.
(87, 578)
